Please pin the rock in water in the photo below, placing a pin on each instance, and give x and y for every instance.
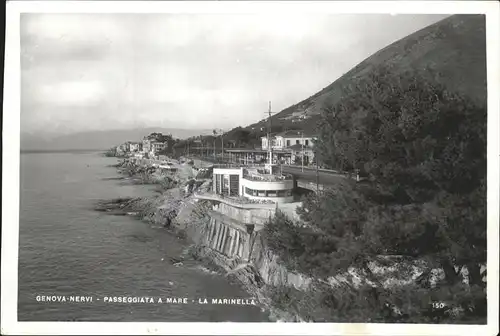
(175, 261)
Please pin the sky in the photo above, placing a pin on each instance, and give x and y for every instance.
(85, 72)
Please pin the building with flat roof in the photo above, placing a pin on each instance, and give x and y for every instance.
(254, 182)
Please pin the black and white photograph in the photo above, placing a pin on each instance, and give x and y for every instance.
(257, 168)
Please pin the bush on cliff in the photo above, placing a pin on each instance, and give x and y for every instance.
(424, 149)
(406, 304)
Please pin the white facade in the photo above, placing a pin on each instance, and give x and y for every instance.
(276, 143)
(252, 185)
(146, 145)
(157, 146)
(279, 191)
(134, 147)
(283, 142)
(287, 142)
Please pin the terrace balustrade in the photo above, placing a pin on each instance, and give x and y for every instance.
(267, 177)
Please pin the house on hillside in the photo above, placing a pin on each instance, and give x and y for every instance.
(292, 144)
(146, 145)
(134, 146)
(152, 146)
(297, 114)
(154, 143)
(157, 146)
(286, 139)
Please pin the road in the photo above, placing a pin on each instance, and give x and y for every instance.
(309, 174)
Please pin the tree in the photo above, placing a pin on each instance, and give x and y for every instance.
(240, 136)
(408, 133)
(424, 150)
(299, 161)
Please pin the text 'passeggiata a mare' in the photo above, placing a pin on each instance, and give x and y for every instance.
(145, 299)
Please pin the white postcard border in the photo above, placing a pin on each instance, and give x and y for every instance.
(11, 155)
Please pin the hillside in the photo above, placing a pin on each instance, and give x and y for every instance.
(98, 139)
(455, 46)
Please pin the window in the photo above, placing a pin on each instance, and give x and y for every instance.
(225, 185)
(307, 142)
(297, 142)
(288, 143)
(234, 184)
(268, 193)
(217, 183)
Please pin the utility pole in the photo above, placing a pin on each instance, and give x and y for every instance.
(205, 146)
(317, 169)
(269, 130)
(221, 132)
(302, 142)
(222, 145)
(215, 137)
(269, 144)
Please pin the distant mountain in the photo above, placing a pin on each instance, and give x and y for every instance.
(97, 140)
(455, 46)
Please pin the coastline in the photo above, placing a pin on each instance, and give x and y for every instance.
(288, 296)
(177, 211)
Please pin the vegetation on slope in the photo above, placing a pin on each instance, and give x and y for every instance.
(422, 142)
(424, 149)
(456, 45)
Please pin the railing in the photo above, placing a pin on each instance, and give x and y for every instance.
(313, 167)
(226, 160)
(210, 159)
(237, 165)
(237, 201)
(169, 167)
(268, 178)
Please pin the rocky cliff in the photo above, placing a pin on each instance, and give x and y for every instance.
(220, 238)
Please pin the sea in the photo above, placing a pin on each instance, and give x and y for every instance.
(94, 260)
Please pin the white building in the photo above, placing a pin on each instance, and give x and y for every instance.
(146, 145)
(157, 146)
(287, 139)
(297, 143)
(135, 146)
(255, 183)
